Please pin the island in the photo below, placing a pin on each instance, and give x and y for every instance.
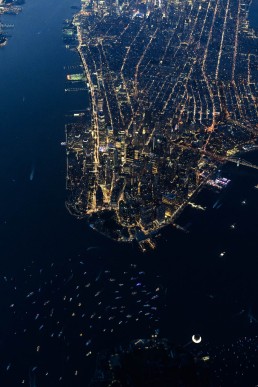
(173, 95)
(9, 7)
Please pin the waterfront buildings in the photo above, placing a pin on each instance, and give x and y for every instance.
(173, 93)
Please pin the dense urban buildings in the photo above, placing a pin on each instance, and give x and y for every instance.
(173, 93)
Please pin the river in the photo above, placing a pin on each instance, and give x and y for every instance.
(201, 291)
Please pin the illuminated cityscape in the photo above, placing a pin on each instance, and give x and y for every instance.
(173, 94)
(154, 104)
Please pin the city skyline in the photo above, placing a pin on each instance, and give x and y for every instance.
(173, 95)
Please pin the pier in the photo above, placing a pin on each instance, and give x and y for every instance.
(6, 25)
(178, 227)
(74, 89)
(197, 206)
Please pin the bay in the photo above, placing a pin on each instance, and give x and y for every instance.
(201, 291)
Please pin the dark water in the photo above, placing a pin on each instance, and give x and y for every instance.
(42, 245)
(253, 14)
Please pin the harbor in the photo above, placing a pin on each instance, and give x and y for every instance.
(45, 251)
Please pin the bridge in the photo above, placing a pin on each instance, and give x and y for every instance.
(237, 160)
(240, 161)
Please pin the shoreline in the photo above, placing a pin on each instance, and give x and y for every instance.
(216, 159)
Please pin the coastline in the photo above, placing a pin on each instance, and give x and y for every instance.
(218, 159)
(8, 9)
(37, 230)
(4, 43)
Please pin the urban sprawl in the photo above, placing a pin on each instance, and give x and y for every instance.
(173, 94)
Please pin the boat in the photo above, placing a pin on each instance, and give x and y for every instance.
(63, 143)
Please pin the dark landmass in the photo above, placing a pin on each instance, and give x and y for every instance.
(151, 363)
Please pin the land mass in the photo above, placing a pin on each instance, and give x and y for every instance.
(9, 7)
(173, 94)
